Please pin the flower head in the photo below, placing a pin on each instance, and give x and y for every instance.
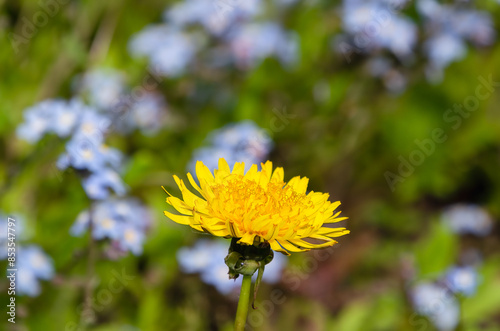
(463, 280)
(124, 221)
(103, 88)
(170, 51)
(99, 184)
(257, 207)
(253, 42)
(33, 265)
(215, 17)
(468, 219)
(50, 116)
(436, 303)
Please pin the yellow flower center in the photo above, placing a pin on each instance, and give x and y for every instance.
(88, 128)
(88, 154)
(238, 198)
(107, 223)
(130, 236)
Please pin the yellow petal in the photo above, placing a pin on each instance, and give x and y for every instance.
(278, 175)
(305, 244)
(203, 173)
(233, 230)
(193, 183)
(180, 206)
(335, 220)
(208, 194)
(223, 166)
(291, 248)
(181, 219)
(299, 184)
(321, 237)
(267, 170)
(333, 232)
(247, 239)
(275, 246)
(252, 173)
(188, 196)
(239, 168)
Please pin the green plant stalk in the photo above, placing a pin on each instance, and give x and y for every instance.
(243, 303)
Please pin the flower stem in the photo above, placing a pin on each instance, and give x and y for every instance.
(87, 316)
(243, 303)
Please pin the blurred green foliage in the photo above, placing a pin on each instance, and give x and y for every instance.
(344, 142)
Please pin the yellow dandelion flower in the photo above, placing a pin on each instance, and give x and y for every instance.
(257, 207)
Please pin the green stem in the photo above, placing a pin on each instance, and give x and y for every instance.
(257, 283)
(243, 303)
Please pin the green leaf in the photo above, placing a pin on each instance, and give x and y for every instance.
(437, 251)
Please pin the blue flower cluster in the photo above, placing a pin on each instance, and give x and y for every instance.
(138, 109)
(170, 50)
(371, 26)
(86, 127)
(255, 41)
(232, 26)
(236, 142)
(33, 264)
(438, 304)
(85, 150)
(215, 16)
(206, 257)
(123, 221)
(103, 88)
(462, 280)
(438, 300)
(237, 32)
(51, 116)
(448, 27)
(467, 219)
(361, 18)
(31, 261)
(147, 113)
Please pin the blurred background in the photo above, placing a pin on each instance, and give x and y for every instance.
(392, 107)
